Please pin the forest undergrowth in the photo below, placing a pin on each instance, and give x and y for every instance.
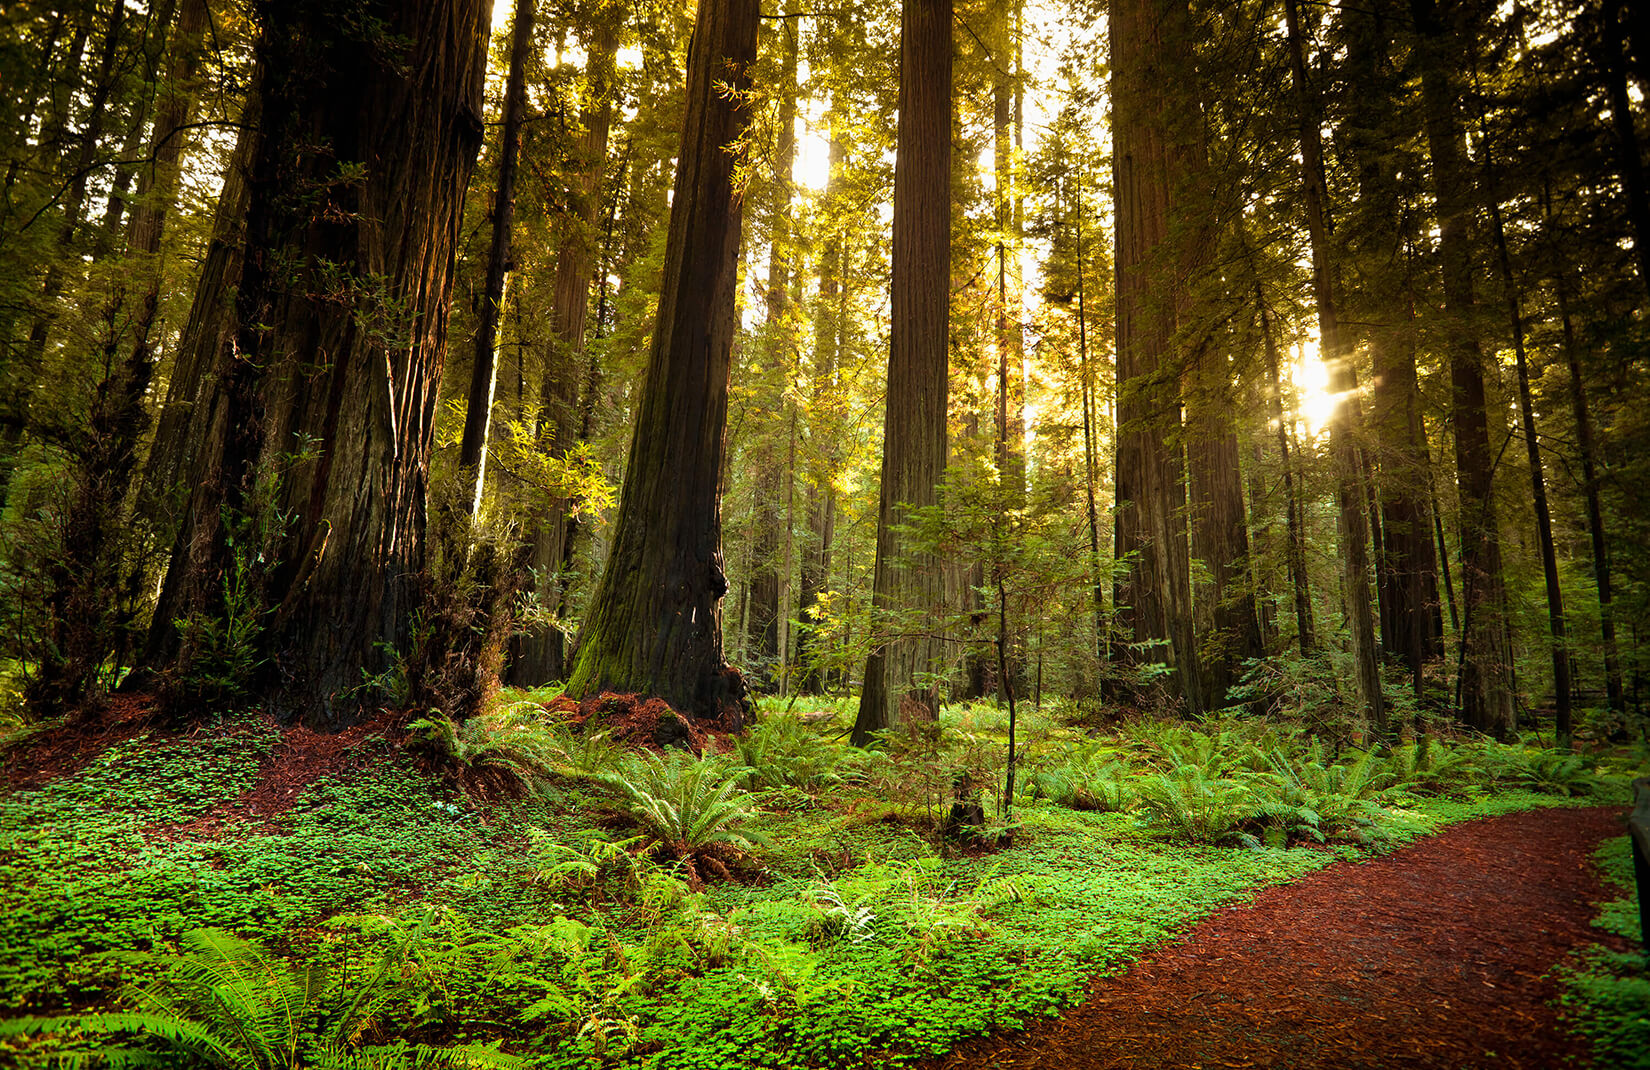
(780, 899)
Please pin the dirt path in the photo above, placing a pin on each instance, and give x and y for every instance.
(1434, 956)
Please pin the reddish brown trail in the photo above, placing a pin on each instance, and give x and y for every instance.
(1438, 955)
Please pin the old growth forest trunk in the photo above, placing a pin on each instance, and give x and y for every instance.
(315, 476)
(906, 585)
(654, 624)
(1485, 681)
(1152, 600)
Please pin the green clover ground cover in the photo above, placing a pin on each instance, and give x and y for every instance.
(523, 923)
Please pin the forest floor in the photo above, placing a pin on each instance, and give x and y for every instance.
(1223, 895)
(1440, 954)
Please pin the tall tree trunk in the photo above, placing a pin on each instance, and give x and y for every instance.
(906, 588)
(655, 624)
(541, 655)
(183, 428)
(1152, 600)
(1353, 526)
(1538, 480)
(1486, 663)
(1614, 696)
(1091, 456)
(86, 617)
(1411, 628)
(318, 466)
(1220, 534)
(478, 411)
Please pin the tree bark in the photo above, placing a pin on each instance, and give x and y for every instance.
(906, 586)
(1152, 599)
(1486, 663)
(319, 462)
(654, 625)
(1538, 480)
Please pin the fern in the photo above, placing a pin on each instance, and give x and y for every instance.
(1190, 805)
(693, 807)
(225, 1003)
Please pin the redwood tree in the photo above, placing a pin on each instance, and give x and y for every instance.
(914, 422)
(655, 623)
(313, 479)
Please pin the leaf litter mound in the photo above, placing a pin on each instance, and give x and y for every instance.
(1439, 955)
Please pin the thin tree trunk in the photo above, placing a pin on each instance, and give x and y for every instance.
(541, 655)
(822, 459)
(654, 624)
(906, 587)
(1091, 460)
(1295, 524)
(1538, 483)
(767, 582)
(24, 379)
(472, 448)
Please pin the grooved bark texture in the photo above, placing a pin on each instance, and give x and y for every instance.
(908, 584)
(655, 625)
(330, 375)
(1152, 598)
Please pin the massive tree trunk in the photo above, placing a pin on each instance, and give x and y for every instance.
(478, 411)
(183, 428)
(1486, 658)
(1350, 495)
(541, 656)
(1411, 624)
(1220, 534)
(906, 588)
(655, 623)
(317, 469)
(1152, 599)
